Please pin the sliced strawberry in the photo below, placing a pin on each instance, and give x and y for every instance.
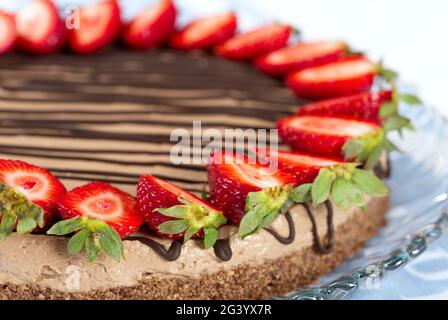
(28, 197)
(301, 56)
(323, 136)
(100, 214)
(39, 27)
(304, 167)
(99, 26)
(346, 77)
(205, 33)
(364, 106)
(175, 213)
(252, 44)
(239, 187)
(101, 201)
(152, 27)
(8, 32)
(319, 178)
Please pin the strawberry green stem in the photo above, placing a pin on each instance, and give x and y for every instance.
(262, 207)
(16, 211)
(190, 218)
(345, 184)
(92, 234)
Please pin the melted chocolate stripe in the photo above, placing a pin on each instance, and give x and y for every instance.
(223, 250)
(327, 248)
(123, 175)
(64, 123)
(171, 254)
(257, 114)
(292, 231)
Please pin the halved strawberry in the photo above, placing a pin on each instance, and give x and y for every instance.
(303, 166)
(249, 194)
(327, 136)
(319, 178)
(349, 76)
(302, 56)
(39, 27)
(152, 27)
(252, 44)
(28, 197)
(364, 106)
(175, 213)
(204, 33)
(99, 26)
(99, 214)
(8, 32)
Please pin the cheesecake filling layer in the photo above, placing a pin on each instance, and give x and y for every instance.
(43, 261)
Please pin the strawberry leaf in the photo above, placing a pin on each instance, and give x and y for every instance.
(94, 235)
(353, 148)
(179, 212)
(301, 193)
(93, 248)
(262, 208)
(110, 242)
(173, 226)
(25, 224)
(190, 217)
(77, 242)
(410, 99)
(345, 194)
(7, 225)
(16, 209)
(210, 237)
(369, 183)
(320, 190)
(388, 109)
(396, 122)
(66, 226)
(387, 74)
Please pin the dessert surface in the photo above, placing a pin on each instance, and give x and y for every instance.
(109, 117)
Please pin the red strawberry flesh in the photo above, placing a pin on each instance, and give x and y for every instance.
(36, 184)
(154, 193)
(323, 136)
(206, 32)
(347, 77)
(152, 27)
(252, 44)
(301, 56)
(99, 26)
(364, 106)
(305, 167)
(8, 32)
(39, 27)
(101, 201)
(232, 177)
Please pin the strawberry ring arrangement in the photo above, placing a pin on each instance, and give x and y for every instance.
(339, 140)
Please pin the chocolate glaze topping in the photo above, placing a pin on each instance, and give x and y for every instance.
(328, 247)
(292, 231)
(171, 254)
(383, 170)
(223, 250)
(109, 116)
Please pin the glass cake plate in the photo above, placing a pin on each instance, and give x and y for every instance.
(417, 217)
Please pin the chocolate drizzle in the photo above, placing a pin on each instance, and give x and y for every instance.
(328, 247)
(223, 250)
(171, 254)
(292, 231)
(383, 170)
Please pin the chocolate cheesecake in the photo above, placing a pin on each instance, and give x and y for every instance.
(109, 117)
